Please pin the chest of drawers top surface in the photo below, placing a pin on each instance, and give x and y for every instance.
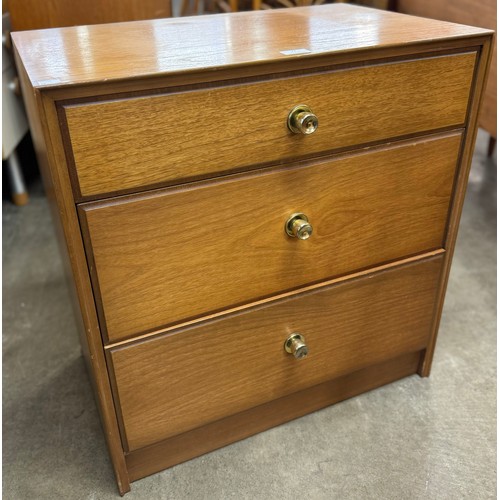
(179, 182)
(127, 51)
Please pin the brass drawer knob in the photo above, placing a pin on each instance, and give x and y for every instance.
(296, 344)
(302, 120)
(298, 226)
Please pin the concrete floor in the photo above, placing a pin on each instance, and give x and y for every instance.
(415, 439)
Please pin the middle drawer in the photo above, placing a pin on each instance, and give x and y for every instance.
(176, 254)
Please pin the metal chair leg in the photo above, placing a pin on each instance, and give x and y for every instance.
(16, 180)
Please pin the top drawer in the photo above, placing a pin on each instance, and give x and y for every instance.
(131, 144)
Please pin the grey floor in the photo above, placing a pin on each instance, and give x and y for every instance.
(415, 439)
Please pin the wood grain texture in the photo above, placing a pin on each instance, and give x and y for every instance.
(134, 143)
(41, 14)
(182, 253)
(237, 363)
(62, 57)
(471, 12)
(146, 461)
(47, 142)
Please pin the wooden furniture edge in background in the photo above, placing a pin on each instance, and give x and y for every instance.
(39, 14)
(482, 14)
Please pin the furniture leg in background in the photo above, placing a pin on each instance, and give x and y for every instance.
(16, 180)
(14, 123)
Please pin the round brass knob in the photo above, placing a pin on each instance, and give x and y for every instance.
(302, 120)
(296, 344)
(298, 226)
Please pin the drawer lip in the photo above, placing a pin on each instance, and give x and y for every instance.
(293, 164)
(416, 341)
(268, 301)
(158, 168)
(415, 244)
(187, 182)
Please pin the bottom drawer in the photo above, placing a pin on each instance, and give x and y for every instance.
(177, 382)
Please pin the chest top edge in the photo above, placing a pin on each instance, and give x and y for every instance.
(102, 54)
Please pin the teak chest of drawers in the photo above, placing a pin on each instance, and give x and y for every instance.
(258, 210)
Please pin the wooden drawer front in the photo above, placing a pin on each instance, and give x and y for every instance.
(175, 383)
(133, 143)
(182, 253)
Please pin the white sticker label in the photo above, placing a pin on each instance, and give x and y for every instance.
(294, 52)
